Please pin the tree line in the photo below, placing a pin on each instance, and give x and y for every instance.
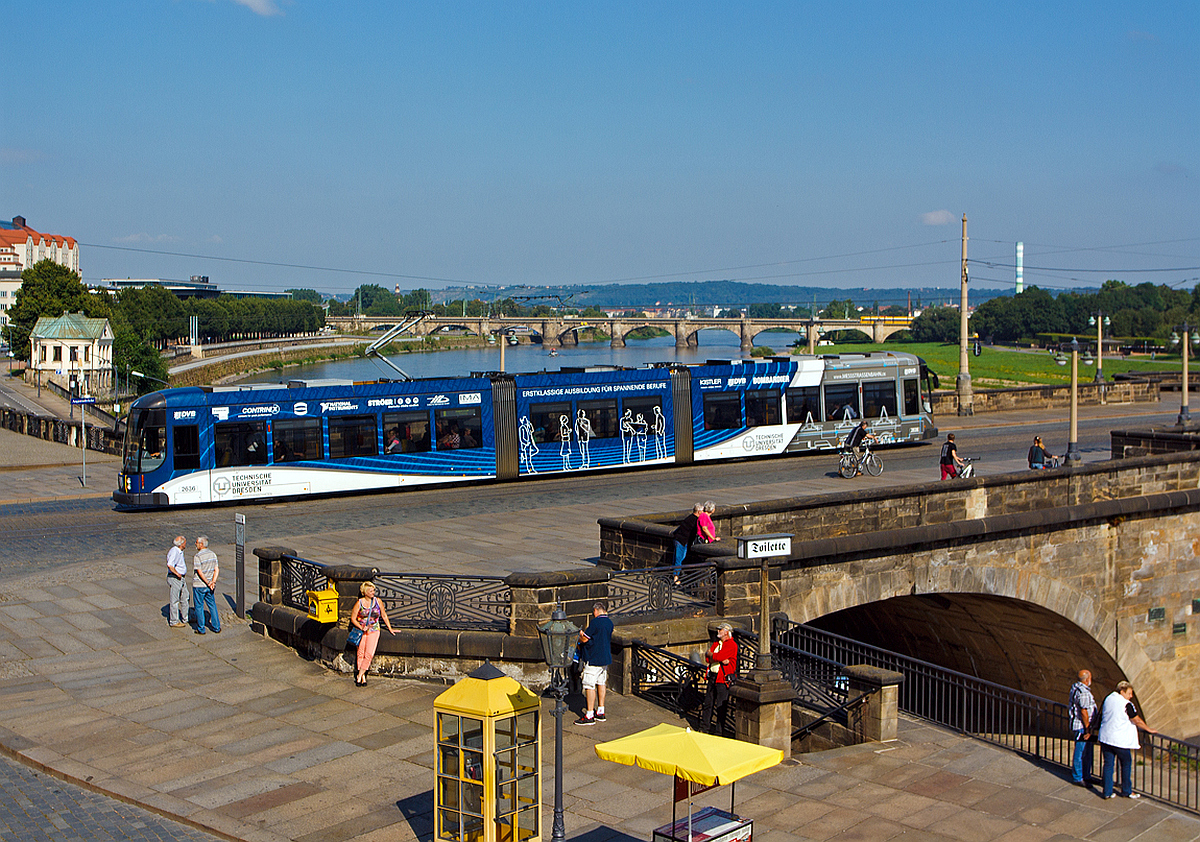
(1142, 314)
(146, 320)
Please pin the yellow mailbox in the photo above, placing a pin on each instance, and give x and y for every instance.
(487, 760)
(322, 605)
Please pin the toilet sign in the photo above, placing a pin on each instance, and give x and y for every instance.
(763, 546)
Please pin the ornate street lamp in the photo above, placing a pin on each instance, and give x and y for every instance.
(558, 635)
(1188, 333)
(1099, 320)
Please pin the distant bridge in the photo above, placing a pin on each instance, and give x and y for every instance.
(556, 331)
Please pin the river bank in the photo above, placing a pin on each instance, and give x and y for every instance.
(235, 367)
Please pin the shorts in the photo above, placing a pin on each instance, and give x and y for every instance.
(594, 675)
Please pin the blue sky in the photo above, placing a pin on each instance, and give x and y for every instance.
(516, 143)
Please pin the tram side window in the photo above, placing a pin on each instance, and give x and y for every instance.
(649, 410)
(879, 398)
(240, 443)
(762, 408)
(298, 439)
(801, 403)
(186, 450)
(458, 429)
(602, 416)
(723, 411)
(406, 432)
(547, 422)
(912, 398)
(841, 401)
(352, 435)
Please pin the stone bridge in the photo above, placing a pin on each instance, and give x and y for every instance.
(1020, 579)
(557, 331)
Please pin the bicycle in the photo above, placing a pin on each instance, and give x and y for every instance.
(850, 465)
(968, 468)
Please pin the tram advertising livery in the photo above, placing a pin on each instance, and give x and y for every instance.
(209, 445)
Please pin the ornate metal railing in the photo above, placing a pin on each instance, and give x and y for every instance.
(673, 682)
(657, 590)
(300, 576)
(479, 603)
(1165, 768)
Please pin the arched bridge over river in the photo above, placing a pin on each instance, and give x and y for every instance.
(1020, 579)
(564, 330)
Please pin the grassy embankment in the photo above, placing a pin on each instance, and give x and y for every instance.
(998, 367)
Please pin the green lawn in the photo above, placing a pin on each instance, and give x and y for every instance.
(1000, 367)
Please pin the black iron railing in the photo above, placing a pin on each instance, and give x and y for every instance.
(673, 682)
(300, 576)
(1164, 768)
(657, 590)
(478, 603)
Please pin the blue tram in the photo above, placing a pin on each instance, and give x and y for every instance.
(216, 444)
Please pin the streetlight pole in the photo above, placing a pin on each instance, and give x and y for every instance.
(557, 637)
(1189, 336)
(1073, 454)
(1100, 319)
(965, 395)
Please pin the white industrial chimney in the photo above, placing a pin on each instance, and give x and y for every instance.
(1020, 267)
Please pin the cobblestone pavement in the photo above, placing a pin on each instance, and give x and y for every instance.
(35, 806)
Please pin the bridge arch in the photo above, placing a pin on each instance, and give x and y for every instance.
(1006, 640)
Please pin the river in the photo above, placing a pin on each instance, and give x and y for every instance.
(526, 358)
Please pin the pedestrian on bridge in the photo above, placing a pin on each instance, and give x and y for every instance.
(1083, 721)
(949, 459)
(204, 582)
(1119, 726)
(177, 608)
(722, 660)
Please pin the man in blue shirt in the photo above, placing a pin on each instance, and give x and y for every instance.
(595, 651)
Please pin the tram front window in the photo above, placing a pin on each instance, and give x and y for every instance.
(145, 442)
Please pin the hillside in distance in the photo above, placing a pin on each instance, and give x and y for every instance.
(712, 294)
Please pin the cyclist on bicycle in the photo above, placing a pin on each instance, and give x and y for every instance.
(854, 443)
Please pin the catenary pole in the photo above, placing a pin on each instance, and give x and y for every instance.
(965, 399)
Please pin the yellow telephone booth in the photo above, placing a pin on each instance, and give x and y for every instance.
(487, 760)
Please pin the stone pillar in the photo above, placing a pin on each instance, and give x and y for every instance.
(762, 709)
(270, 573)
(197, 352)
(876, 720)
(747, 339)
(345, 579)
(681, 334)
(616, 331)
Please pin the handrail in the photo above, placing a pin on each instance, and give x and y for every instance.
(1165, 768)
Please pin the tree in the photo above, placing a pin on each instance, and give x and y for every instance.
(132, 353)
(936, 324)
(154, 314)
(305, 295)
(1022, 316)
(50, 289)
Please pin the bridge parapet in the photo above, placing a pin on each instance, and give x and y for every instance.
(1027, 577)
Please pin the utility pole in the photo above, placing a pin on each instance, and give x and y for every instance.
(965, 399)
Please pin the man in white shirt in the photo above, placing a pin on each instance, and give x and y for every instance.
(177, 608)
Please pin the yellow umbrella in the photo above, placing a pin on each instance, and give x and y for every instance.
(689, 755)
(705, 759)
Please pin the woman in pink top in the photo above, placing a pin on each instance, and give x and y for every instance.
(706, 531)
